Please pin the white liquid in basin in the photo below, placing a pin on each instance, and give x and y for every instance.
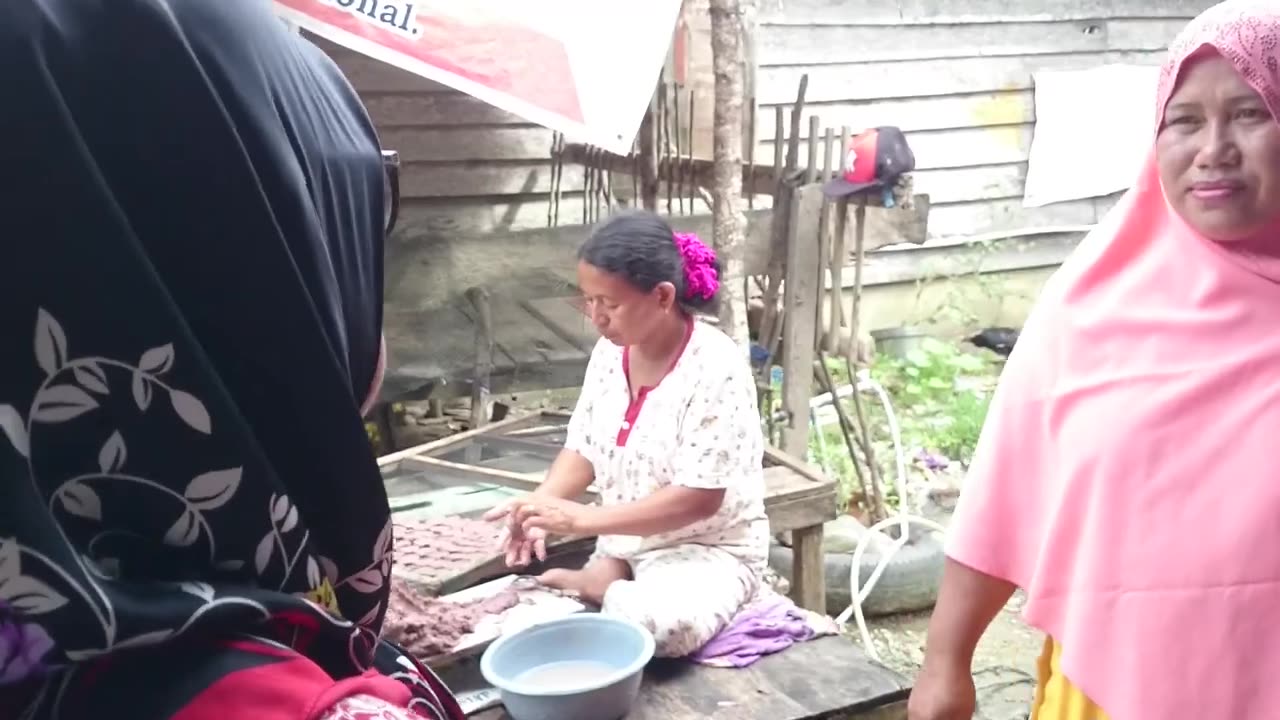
(566, 675)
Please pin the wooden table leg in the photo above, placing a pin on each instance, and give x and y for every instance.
(384, 418)
(808, 569)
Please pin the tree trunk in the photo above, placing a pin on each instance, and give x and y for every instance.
(730, 223)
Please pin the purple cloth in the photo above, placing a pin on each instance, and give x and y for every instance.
(763, 628)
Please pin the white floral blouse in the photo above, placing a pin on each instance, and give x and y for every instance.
(698, 428)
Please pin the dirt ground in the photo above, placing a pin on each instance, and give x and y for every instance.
(1004, 667)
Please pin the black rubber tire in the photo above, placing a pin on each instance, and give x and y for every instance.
(909, 583)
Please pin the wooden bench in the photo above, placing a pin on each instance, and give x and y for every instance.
(825, 678)
(510, 457)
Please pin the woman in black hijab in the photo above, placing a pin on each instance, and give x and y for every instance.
(192, 523)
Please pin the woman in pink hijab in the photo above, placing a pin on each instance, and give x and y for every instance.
(1124, 477)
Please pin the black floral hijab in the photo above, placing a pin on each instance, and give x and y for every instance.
(191, 197)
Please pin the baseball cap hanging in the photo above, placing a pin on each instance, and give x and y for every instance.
(874, 158)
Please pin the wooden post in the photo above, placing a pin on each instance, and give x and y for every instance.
(802, 296)
(809, 570)
(384, 419)
(649, 159)
(479, 299)
(831, 298)
(771, 321)
(839, 252)
(811, 167)
(802, 293)
(877, 506)
(726, 52)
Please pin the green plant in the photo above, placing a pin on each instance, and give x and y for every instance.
(939, 393)
(940, 396)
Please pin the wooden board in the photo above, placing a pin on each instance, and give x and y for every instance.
(941, 12)
(537, 605)
(825, 678)
(960, 147)
(565, 316)
(993, 253)
(812, 45)
(800, 300)
(917, 78)
(476, 473)
(971, 218)
(798, 499)
(800, 493)
(560, 552)
(792, 501)
(514, 422)
(966, 184)
(945, 112)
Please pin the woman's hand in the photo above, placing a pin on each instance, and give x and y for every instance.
(943, 691)
(553, 516)
(519, 547)
(967, 602)
(529, 520)
(522, 548)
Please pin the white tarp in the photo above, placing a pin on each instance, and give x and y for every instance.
(1094, 129)
(586, 68)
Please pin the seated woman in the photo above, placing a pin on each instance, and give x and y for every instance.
(192, 521)
(667, 428)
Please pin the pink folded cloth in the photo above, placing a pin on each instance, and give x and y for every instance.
(766, 626)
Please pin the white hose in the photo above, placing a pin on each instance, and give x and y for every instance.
(902, 518)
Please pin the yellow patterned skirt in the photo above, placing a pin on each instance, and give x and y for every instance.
(1056, 697)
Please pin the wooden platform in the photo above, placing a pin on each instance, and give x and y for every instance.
(828, 678)
(490, 464)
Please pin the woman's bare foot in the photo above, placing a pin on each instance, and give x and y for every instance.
(591, 582)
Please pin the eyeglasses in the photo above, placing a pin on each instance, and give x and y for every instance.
(391, 184)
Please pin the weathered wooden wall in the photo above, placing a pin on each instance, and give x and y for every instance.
(956, 75)
(468, 168)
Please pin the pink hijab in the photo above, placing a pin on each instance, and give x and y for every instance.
(1123, 479)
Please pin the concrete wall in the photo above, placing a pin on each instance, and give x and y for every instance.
(954, 306)
(954, 288)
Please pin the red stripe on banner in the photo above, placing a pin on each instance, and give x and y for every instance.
(516, 60)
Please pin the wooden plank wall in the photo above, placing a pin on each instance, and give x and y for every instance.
(468, 168)
(956, 75)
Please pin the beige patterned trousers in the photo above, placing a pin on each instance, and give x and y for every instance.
(684, 595)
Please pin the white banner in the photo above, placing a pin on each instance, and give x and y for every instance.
(1094, 130)
(586, 68)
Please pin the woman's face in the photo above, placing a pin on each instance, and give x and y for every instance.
(621, 312)
(1218, 153)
